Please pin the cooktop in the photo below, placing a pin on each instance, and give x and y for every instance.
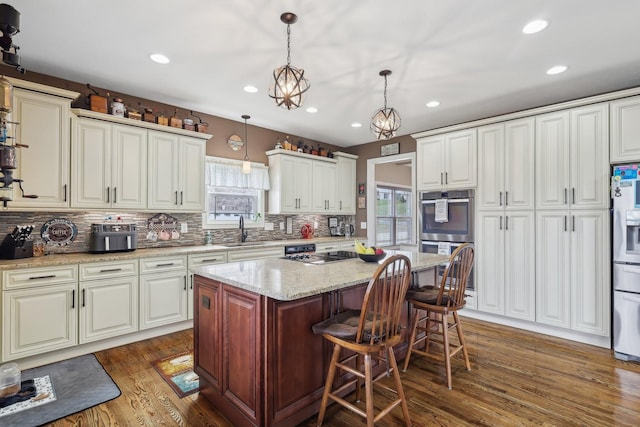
(306, 253)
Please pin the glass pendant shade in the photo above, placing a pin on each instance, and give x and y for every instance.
(386, 121)
(289, 84)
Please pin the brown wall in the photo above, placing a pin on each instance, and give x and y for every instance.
(371, 151)
(260, 139)
(393, 173)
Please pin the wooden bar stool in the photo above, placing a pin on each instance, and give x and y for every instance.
(433, 306)
(368, 332)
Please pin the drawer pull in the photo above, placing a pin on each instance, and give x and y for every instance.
(168, 264)
(209, 260)
(49, 276)
(110, 270)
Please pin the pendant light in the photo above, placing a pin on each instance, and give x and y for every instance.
(289, 83)
(246, 164)
(386, 121)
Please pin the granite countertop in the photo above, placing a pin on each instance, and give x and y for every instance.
(286, 280)
(82, 257)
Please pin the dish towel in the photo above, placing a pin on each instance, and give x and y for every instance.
(442, 210)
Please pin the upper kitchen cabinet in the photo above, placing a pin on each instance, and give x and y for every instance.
(447, 161)
(572, 162)
(291, 177)
(506, 165)
(625, 130)
(42, 114)
(109, 165)
(176, 172)
(346, 185)
(325, 196)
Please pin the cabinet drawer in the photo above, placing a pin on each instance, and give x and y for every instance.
(158, 264)
(206, 259)
(102, 270)
(31, 277)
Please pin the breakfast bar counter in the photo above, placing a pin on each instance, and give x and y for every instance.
(258, 360)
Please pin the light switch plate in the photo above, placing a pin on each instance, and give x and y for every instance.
(268, 226)
(363, 226)
(184, 228)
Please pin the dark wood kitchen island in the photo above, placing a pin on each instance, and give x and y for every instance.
(258, 360)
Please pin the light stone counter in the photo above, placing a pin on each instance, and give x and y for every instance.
(80, 257)
(286, 280)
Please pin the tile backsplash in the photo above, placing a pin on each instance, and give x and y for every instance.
(194, 235)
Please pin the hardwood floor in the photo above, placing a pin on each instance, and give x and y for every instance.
(517, 378)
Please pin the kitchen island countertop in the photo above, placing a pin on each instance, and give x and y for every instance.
(287, 280)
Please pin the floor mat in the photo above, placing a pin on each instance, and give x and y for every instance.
(177, 371)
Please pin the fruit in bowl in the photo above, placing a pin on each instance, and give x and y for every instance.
(369, 254)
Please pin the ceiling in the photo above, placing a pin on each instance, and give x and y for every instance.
(469, 55)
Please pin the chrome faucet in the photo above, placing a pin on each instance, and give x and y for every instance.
(243, 232)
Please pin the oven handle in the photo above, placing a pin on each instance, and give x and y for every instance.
(433, 201)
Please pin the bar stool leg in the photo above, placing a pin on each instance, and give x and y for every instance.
(327, 387)
(396, 378)
(412, 338)
(368, 386)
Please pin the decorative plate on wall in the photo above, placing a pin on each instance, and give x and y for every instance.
(59, 231)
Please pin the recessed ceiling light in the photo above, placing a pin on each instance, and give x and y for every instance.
(432, 104)
(535, 26)
(356, 125)
(250, 89)
(312, 110)
(557, 69)
(159, 58)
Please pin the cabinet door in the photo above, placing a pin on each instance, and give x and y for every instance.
(553, 303)
(44, 166)
(519, 143)
(460, 159)
(519, 276)
(552, 161)
(590, 277)
(590, 157)
(91, 164)
(625, 130)
(129, 176)
(163, 299)
(191, 169)
(295, 181)
(163, 171)
(430, 158)
(324, 176)
(208, 331)
(108, 308)
(38, 320)
(490, 194)
(490, 262)
(346, 186)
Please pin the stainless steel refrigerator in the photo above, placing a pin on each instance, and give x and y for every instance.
(625, 192)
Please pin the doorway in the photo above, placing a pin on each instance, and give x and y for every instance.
(397, 171)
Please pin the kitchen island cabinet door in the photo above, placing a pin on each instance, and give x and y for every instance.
(37, 320)
(208, 333)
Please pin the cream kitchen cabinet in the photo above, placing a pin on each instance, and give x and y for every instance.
(572, 159)
(506, 165)
(625, 130)
(176, 172)
(447, 161)
(346, 184)
(198, 260)
(291, 178)
(258, 253)
(109, 165)
(108, 299)
(325, 186)
(39, 310)
(43, 116)
(163, 291)
(572, 269)
(505, 263)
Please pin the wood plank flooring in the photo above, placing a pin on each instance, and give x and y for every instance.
(517, 378)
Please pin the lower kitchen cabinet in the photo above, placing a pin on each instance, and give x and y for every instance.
(505, 249)
(39, 310)
(572, 267)
(163, 291)
(108, 300)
